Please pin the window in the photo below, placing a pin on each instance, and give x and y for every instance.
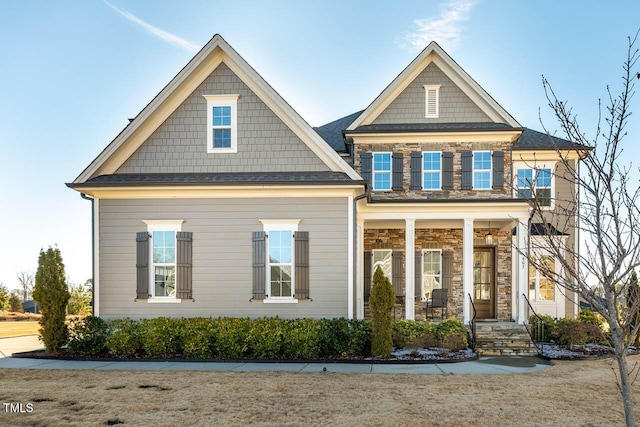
(540, 183)
(382, 171)
(431, 272)
(541, 287)
(382, 258)
(482, 170)
(280, 259)
(431, 170)
(163, 254)
(222, 123)
(432, 101)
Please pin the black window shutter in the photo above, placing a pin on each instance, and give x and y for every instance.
(447, 270)
(367, 275)
(447, 171)
(366, 165)
(142, 265)
(498, 170)
(418, 276)
(184, 260)
(397, 172)
(467, 170)
(397, 272)
(301, 239)
(416, 170)
(259, 267)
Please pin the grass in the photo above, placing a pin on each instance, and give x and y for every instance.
(568, 393)
(10, 329)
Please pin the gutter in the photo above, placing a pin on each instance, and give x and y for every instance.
(355, 244)
(93, 254)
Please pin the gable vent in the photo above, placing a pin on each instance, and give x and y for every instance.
(432, 94)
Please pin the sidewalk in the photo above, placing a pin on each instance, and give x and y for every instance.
(484, 365)
(9, 346)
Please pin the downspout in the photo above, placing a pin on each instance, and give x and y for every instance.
(93, 254)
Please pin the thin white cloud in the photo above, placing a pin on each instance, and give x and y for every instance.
(446, 28)
(163, 35)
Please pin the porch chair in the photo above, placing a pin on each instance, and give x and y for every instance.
(439, 298)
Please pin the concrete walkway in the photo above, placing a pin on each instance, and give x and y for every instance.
(8, 346)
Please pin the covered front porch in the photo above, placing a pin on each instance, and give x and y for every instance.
(464, 248)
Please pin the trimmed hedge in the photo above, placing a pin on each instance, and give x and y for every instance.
(264, 338)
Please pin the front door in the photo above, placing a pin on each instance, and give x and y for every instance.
(484, 282)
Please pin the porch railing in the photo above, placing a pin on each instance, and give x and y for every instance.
(472, 324)
(534, 325)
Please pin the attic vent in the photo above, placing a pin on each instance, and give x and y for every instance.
(432, 95)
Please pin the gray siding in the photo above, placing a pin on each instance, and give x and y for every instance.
(265, 143)
(222, 255)
(409, 106)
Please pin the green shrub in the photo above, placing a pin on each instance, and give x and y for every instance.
(413, 334)
(162, 336)
(265, 338)
(88, 336)
(343, 337)
(451, 334)
(543, 326)
(589, 316)
(381, 304)
(301, 338)
(199, 337)
(52, 296)
(232, 336)
(124, 339)
(575, 332)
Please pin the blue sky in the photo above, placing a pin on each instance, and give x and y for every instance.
(73, 72)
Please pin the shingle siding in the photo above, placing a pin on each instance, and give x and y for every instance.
(265, 143)
(222, 255)
(409, 106)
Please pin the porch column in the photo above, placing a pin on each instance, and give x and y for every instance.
(467, 268)
(521, 269)
(360, 269)
(410, 259)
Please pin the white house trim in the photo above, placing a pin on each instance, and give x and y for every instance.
(409, 260)
(96, 257)
(350, 243)
(467, 268)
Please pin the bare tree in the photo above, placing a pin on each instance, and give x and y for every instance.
(603, 210)
(25, 278)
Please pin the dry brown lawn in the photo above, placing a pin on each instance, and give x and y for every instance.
(569, 393)
(10, 329)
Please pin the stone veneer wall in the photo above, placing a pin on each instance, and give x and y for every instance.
(450, 239)
(454, 147)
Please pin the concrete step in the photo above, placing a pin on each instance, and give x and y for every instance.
(503, 338)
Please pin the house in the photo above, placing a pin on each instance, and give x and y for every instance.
(218, 199)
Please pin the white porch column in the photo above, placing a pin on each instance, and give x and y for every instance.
(409, 262)
(467, 268)
(521, 269)
(360, 269)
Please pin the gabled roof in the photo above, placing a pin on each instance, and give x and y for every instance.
(433, 53)
(332, 132)
(216, 51)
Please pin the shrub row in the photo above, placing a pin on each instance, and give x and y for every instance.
(264, 338)
(451, 334)
(587, 329)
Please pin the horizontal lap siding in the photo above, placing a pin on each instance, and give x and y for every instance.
(222, 257)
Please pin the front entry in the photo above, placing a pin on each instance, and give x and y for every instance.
(484, 282)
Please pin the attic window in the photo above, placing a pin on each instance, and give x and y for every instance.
(222, 123)
(432, 104)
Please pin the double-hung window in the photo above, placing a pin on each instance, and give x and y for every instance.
(382, 258)
(541, 286)
(482, 170)
(431, 170)
(534, 179)
(431, 272)
(163, 259)
(222, 123)
(381, 171)
(280, 259)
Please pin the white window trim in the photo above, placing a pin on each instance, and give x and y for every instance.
(427, 88)
(161, 225)
(222, 101)
(534, 166)
(280, 225)
(424, 251)
(474, 170)
(374, 172)
(424, 171)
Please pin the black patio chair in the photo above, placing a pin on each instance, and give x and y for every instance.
(439, 299)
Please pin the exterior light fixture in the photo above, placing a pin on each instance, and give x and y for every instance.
(488, 238)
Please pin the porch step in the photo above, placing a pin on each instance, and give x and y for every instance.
(503, 339)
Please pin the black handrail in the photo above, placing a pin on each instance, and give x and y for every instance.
(472, 324)
(536, 331)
